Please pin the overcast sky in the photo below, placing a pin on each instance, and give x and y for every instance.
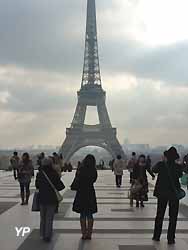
(143, 47)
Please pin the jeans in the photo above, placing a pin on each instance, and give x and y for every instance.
(173, 214)
(24, 190)
(46, 220)
(118, 180)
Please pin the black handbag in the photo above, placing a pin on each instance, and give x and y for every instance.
(36, 202)
(179, 192)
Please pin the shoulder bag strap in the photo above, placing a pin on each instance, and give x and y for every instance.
(49, 181)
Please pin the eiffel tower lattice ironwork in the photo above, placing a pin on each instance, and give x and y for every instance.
(91, 93)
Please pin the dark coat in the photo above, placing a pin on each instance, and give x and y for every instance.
(163, 186)
(85, 199)
(25, 172)
(47, 195)
(139, 172)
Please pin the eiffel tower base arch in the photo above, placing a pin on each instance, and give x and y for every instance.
(78, 138)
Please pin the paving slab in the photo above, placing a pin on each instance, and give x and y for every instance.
(117, 225)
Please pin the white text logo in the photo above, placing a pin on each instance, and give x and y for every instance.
(22, 231)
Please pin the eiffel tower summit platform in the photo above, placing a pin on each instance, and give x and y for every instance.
(91, 93)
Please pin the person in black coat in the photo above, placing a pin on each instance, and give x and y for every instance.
(47, 197)
(139, 175)
(85, 200)
(168, 171)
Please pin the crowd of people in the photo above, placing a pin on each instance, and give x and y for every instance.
(23, 169)
(48, 181)
(167, 188)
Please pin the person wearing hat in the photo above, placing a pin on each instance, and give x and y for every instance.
(47, 197)
(169, 173)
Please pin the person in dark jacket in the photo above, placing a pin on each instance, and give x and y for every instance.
(41, 157)
(85, 200)
(185, 167)
(47, 197)
(168, 171)
(14, 161)
(25, 172)
(139, 175)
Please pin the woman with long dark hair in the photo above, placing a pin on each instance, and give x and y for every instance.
(167, 183)
(139, 176)
(85, 200)
(25, 173)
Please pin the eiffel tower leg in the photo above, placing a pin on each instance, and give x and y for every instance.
(114, 146)
(79, 116)
(70, 145)
(117, 148)
(103, 115)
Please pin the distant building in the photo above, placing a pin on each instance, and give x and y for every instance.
(139, 148)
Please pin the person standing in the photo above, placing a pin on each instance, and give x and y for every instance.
(41, 157)
(101, 164)
(131, 164)
(169, 173)
(61, 162)
(70, 167)
(111, 163)
(57, 163)
(47, 197)
(140, 177)
(148, 161)
(85, 202)
(185, 167)
(118, 167)
(25, 173)
(14, 161)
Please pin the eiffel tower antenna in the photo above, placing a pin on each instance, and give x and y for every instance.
(91, 70)
(80, 135)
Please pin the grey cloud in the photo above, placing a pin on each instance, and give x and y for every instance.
(167, 64)
(40, 33)
(145, 108)
(50, 35)
(23, 98)
(42, 128)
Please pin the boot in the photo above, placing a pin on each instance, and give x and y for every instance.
(22, 198)
(90, 229)
(142, 204)
(137, 204)
(27, 199)
(83, 229)
(131, 202)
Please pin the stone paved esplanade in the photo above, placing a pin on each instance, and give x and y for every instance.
(117, 226)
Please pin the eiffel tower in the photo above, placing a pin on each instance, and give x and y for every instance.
(91, 93)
